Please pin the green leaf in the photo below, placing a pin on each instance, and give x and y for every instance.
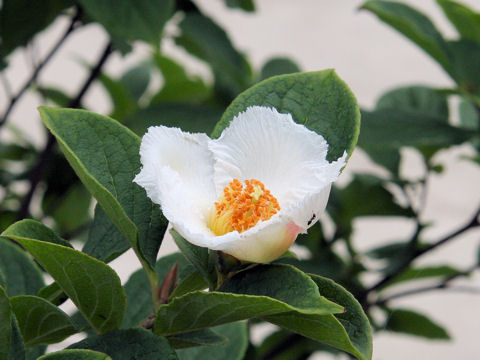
(365, 195)
(413, 323)
(136, 80)
(105, 156)
(22, 274)
(123, 103)
(5, 324)
(416, 98)
(383, 129)
(468, 115)
(93, 287)
(178, 86)
(40, 321)
(57, 96)
(131, 20)
(20, 20)
(349, 331)
(420, 273)
(73, 209)
(105, 242)
(278, 66)
(465, 60)
(296, 293)
(203, 38)
(53, 293)
(75, 355)
(414, 25)
(203, 337)
(192, 282)
(33, 353)
(246, 5)
(32, 229)
(189, 117)
(138, 344)
(319, 100)
(17, 348)
(198, 256)
(465, 20)
(235, 349)
(137, 288)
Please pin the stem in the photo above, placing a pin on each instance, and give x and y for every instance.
(441, 285)
(471, 224)
(38, 169)
(73, 25)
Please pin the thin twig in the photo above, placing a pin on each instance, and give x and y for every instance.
(441, 285)
(13, 100)
(471, 224)
(38, 169)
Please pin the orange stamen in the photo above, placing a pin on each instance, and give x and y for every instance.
(242, 206)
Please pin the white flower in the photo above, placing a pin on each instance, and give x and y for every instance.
(248, 193)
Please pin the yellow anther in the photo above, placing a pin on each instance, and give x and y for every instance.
(242, 206)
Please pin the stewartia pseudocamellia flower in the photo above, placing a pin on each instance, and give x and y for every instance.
(248, 193)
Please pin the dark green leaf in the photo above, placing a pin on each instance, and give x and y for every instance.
(17, 348)
(93, 287)
(413, 323)
(22, 274)
(189, 117)
(349, 331)
(278, 66)
(203, 38)
(178, 86)
(105, 242)
(20, 20)
(123, 103)
(233, 350)
(463, 18)
(203, 337)
(75, 355)
(59, 97)
(136, 80)
(105, 155)
(138, 344)
(246, 5)
(137, 288)
(198, 256)
(53, 293)
(40, 321)
(319, 100)
(296, 294)
(412, 24)
(32, 229)
(417, 98)
(420, 273)
(465, 60)
(386, 129)
(5, 324)
(192, 282)
(131, 20)
(73, 209)
(33, 353)
(468, 115)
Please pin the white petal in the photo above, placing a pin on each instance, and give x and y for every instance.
(289, 159)
(177, 173)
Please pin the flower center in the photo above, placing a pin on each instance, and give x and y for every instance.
(242, 206)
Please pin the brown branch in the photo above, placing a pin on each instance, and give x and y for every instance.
(73, 25)
(38, 169)
(441, 285)
(389, 277)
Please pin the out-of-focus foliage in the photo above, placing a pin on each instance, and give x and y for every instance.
(417, 116)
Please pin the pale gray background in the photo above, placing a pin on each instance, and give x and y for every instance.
(371, 58)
